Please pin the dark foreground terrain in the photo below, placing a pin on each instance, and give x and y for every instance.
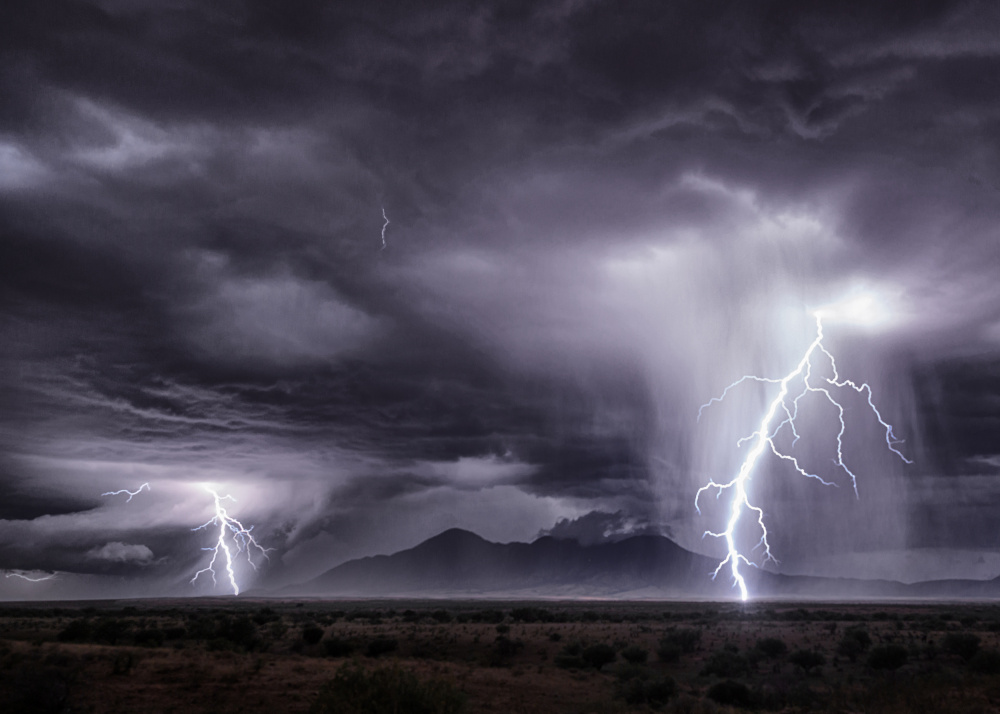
(227, 655)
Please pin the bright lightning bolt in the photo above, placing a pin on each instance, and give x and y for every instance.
(16, 574)
(384, 226)
(130, 493)
(782, 411)
(242, 540)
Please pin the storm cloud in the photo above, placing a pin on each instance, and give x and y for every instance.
(599, 216)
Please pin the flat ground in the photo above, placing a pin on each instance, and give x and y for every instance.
(246, 656)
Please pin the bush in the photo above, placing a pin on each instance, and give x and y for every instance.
(725, 664)
(337, 647)
(442, 616)
(635, 655)
(381, 646)
(30, 688)
(677, 642)
(985, 662)
(730, 693)
(505, 648)
(76, 631)
(771, 647)
(531, 614)
(668, 651)
(311, 634)
(808, 660)
(240, 631)
(599, 655)
(149, 638)
(265, 615)
(109, 630)
(568, 661)
(654, 691)
(854, 643)
(386, 691)
(687, 637)
(963, 644)
(569, 657)
(887, 657)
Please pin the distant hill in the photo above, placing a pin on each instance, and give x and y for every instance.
(457, 563)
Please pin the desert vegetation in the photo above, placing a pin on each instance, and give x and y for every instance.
(229, 655)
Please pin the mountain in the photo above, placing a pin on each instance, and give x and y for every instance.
(457, 563)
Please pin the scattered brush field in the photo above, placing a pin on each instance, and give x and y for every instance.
(429, 657)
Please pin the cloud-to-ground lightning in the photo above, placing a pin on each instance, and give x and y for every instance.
(782, 411)
(131, 494)
(384, 226)
(242, 541)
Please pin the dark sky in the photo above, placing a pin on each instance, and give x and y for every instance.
(600, 214)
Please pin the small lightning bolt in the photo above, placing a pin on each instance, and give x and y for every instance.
(242, 540)
(384, 226)
(130, 493)
(18, 574)
(781, 411)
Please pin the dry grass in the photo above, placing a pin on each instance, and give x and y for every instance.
(252, 656)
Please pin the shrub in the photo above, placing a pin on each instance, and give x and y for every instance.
(668, 651)
(311, 634)
(887, 657)
(725, 664)
(124, 661)
(771, 647)
(109, 630)
(635, 654)
(808, 660)
(963, 644)
(175, 633)
(505, 648)
(492, 617)
(687, 637)
(149, 638)
(854, 643)
(381, 645)
(28, 687)
(730, 693)
(442, 616)
(569, 657)
(985, 662)
(386, 691)
(76, 631)
(337, 647)
(568, 661)
(677, 642)
(265, 615)
(598, 655)
(531, 614)
(240, 631)
(654, 691)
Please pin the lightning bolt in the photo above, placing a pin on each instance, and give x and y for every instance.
(241, 537)
(384, 226)
(130, 493)
(782, 411)
(17, 574)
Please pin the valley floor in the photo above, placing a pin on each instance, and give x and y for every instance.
(228, 655)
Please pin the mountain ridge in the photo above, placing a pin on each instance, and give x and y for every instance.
(460, 563)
